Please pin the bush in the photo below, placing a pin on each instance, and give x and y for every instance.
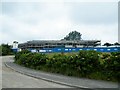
(115, 53)
(58, 62)
(30, 59)
(38, 59)
(89, 64)
(5, 49)
(88, 61)
(105, 55)
(112, 65)
(22, 59)
(18, 54)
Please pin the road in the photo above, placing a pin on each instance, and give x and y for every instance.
(12, 79)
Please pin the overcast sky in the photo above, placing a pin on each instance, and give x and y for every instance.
(23, 21)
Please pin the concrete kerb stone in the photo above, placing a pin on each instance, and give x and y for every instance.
(49, 80)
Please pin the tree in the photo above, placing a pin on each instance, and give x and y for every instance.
(116, 44)
(6, 49)
(74, 35)
(107, 44)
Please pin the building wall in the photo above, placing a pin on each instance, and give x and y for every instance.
(15, 45)
(58, 43)
(99, 49)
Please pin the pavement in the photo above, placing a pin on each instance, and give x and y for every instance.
(82, 83)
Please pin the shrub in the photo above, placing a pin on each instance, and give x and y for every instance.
(115, 53)
(105, 55)
(89, 64)
(22, 59)
(5, 49)
(18, 54)
(112, 66)
(38, 59)
(24, 52)
(88, 61)
(30, 59)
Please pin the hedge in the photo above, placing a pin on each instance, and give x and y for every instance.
(90, 64)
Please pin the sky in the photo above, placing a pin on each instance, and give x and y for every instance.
(24, 21)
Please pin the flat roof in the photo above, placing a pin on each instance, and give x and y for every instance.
(62, 41)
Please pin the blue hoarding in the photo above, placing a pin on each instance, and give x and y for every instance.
(99, 49)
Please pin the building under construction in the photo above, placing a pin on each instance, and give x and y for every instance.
(70, 43)
(48, 46)
(41, 44)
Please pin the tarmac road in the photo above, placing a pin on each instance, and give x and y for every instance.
(12, 79)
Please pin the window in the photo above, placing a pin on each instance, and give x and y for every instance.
(88, 49)
(73, 49)
(115, 49)
(95, 49)
(59, 49)
(108, 49)
(101, 49)
(50, 50)
(66, 49)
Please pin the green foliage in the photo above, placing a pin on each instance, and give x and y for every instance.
(105, 55)
(115, 53)
(5, 50)
(30, 59)
(74, 35)
(117, 44)
(107, 44)
(112, 65)
(18, 54)
(90, 64)
(24, 52)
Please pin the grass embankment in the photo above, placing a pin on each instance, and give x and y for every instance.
(88, 64)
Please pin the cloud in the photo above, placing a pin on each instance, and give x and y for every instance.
(45, 21)
(105, 33)
(35, 24)
(94, 12)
